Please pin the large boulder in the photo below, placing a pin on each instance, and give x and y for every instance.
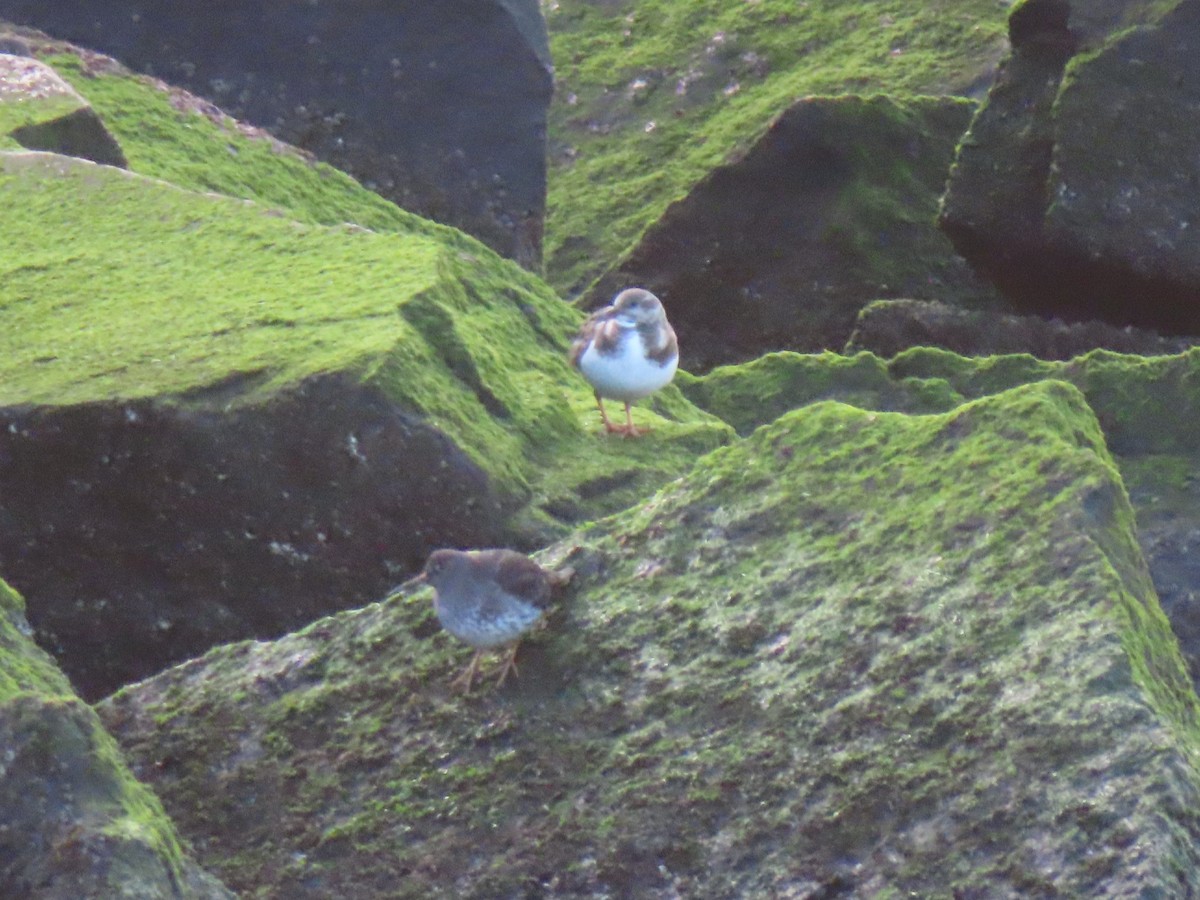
(40, 111)
(1071, 191)
(858, 653)
(780, 248)
(651, 98)
(73, 821)
(439, 107)
(217, 422)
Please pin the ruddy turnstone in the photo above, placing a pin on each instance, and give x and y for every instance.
(487, 598)
(626, 351)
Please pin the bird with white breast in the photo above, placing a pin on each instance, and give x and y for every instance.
(626, 351)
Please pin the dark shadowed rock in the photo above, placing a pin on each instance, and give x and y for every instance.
(888, 327)
(1074, 190)
(857, 654)
(74, 823)
(440, 107)
(40, 111)
(779, 249)
(149, 531)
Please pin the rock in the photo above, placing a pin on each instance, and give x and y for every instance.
(40, 111)
(1148, 409)
(888, 327)
(854, 653)
(649, 99)
(781, 248)
(440, 108)
(75, 822)
(218, 423)
(1067, 190)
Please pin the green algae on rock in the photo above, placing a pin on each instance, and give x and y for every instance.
(40, 111)
(317, 407)
(863, 652)
(76, 822)
(651, 97)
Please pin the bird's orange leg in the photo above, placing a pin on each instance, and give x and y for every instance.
(608, 425)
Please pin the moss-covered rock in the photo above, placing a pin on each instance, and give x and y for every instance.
(441, 108)
(857, 652)
(1148, 410)
(651, 97)
(40, 111)
(780, 246)
(218, 420)
(75, 822)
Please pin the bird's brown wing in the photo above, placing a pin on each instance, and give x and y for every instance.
(592, 329)
(520, 575)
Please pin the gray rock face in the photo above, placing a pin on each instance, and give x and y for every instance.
(1074, 190)
(888, 327)
(439, 107)
(831, 209)
(187, 526)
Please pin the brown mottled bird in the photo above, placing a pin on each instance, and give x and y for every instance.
(488, 598)
(626, 351)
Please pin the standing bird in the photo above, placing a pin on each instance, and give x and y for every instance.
(626, 351)
(487, 598)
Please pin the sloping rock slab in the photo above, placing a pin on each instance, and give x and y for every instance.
(73, 821)
(856, 653)
(779, 249)
(216, 423)
(40, 111)
(888, 327)
(1149, 410)
(1067, 192)
(440, 108)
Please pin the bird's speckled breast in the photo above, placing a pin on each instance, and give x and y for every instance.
(488, 624)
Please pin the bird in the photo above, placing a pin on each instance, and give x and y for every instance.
(488, 598)
(626, 351)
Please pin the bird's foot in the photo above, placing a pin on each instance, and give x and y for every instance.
(465, 678)
(510, 665)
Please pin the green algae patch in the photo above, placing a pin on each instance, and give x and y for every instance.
(1144, 404)
(77, 822)
(169, 135)
(650, 97)
(753, 393)
(862, 652)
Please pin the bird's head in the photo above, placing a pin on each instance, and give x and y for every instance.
(638, 307)
(440, 564)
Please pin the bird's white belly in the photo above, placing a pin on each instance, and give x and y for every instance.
(626, 375)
